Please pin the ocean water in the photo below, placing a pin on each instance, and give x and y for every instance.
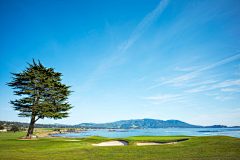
(233, 132)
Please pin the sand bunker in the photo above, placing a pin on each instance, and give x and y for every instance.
(112, 143)
(154, 143)
(125, 143)
(72, 140)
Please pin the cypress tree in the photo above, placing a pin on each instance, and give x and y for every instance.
(42, 94)
(14, 129)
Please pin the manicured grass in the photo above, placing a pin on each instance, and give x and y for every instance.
(11, 135)
(209, 147)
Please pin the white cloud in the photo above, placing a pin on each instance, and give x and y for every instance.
(199, 89)
(227, 83)
(146, 23)
(237, 110)
(223, 98)
(230, 90)
(202, 83)
(197, 72)
(224, 84)
(142, 78)
(167, 97)
(211, 94)
(163, 97)
(181, 98)
(160, 79)
(185, 69)
(176, 97)
(184, 84)
(115, 59)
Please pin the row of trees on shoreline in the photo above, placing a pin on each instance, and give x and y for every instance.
(9, 124)
(13, 128)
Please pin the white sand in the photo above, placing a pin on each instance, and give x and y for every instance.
(154, 143)
(112, 143)
(123, 143)
(72, 140)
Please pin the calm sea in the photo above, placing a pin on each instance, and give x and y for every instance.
(233, 132)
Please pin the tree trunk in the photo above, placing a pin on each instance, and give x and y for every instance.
(30, 129)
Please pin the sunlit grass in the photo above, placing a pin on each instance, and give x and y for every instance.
(209, 147)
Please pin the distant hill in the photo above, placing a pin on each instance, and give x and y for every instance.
(142, 123)
(123, 124)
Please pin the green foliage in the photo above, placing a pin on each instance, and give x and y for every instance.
(42, 93)
(1, 127)
(14, 129)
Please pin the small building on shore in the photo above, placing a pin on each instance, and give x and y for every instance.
(3, 130)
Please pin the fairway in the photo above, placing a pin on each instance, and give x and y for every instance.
(209, 147)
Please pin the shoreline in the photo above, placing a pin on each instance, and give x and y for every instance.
(49, 135)
(154, 132)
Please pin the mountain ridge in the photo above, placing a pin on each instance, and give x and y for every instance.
(146, 123)
(122, 124)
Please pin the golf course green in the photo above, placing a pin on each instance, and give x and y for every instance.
(207, 147)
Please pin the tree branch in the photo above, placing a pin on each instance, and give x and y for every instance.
(37, 119)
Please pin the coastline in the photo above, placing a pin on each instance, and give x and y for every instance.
(49, 135)
(233, 132)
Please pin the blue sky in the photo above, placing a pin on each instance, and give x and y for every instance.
(129, 59)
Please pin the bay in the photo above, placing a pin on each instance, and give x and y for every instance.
(233, 132)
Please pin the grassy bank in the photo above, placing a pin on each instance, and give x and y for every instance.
(210, 147)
